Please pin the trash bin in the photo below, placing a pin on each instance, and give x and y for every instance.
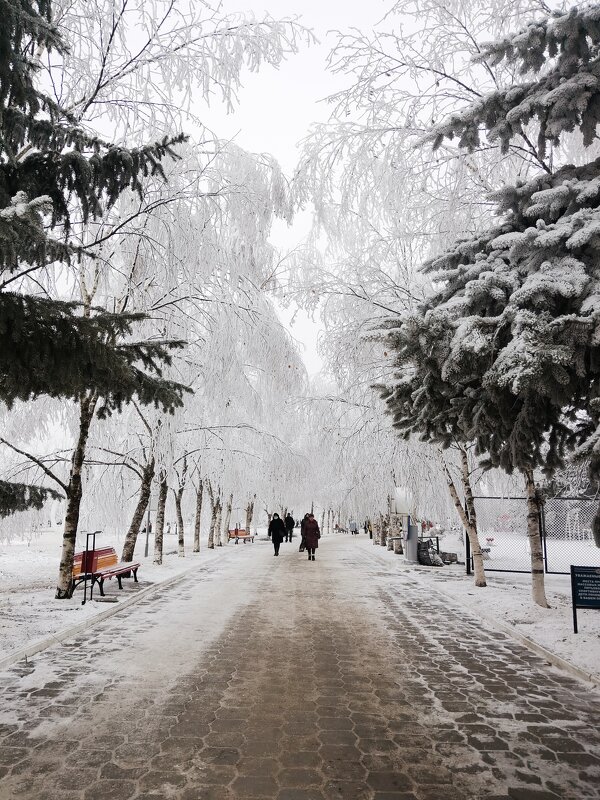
(411, 541)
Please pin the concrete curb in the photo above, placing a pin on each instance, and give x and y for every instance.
(39, 645)
(589, 678)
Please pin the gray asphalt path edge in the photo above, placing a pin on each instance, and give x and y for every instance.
(39, 645)
(591, 679)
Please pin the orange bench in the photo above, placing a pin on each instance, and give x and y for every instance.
(99, 564)
(240, 534)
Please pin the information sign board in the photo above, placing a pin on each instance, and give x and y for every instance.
(585, 589)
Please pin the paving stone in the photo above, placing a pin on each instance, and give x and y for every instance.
(110, 790)
(394, 796)
(255, 786)
(347, 790)
(300, 794)
(299, 777)
(389, 781)
(301, 758)
(162, 780)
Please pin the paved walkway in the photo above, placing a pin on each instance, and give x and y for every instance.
(279, 678)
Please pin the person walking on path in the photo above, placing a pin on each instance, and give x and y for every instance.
(289, 527)
(312, 534)
(303, 522)
(353, 525)
(276, 532)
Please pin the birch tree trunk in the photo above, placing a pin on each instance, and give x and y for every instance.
(211, 529)
(217, 534)
(163, 491)
(64, 590)
(138, 514)
(384, 530)
(538, 588)
(178, 499)
(227, 519)
(469, 524)
(249, 513)
(213, 516)
(180, 532)
(323, 523)
(199, 495)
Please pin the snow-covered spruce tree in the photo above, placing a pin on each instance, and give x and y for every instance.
(507, 350)
(48, 165)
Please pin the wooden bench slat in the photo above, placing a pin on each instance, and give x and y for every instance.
(240, 533)
(100, 564)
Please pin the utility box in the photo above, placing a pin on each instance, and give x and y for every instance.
(411, 542)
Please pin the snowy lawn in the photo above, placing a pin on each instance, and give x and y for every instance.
(28, 575)
(507, 600)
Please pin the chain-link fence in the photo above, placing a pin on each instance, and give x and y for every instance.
(568, 533)
(565, 531)
(502, 527)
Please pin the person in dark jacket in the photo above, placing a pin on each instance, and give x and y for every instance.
(289, 527)
(276, 532)
(312, 534)
(303, 522)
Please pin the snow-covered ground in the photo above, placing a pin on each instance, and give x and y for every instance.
(28, 612)
(28, 575)
(507, 601)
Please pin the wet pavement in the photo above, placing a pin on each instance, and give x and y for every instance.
(280, 678)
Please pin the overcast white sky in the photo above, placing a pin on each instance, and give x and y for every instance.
(277, 107)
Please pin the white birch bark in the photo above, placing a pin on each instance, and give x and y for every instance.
(74, 493)
(225, 535)
(140, 510)
(470, 525)
(163, 491)
(538, 587)
(199, 495)
(217, 534)
(249, 513)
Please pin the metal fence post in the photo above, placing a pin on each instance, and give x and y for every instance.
(467, 552)
(542, 517)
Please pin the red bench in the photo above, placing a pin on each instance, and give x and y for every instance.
(240, 534)
(99, 564)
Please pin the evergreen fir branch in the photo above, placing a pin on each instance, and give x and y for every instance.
(46, 349)
(15, 497)
(565, 97)
(23, 238)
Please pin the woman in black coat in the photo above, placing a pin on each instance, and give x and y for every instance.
(276, 532)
